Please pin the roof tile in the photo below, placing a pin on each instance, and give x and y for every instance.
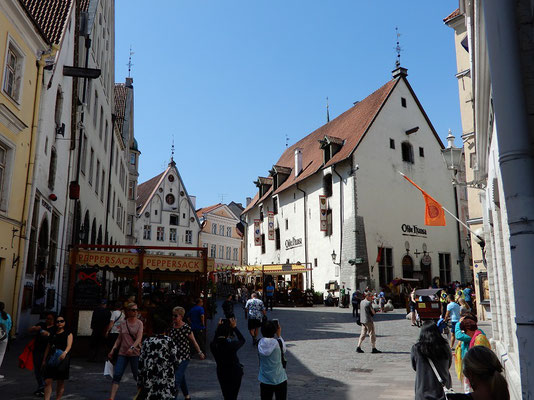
(50, 16)
(145, 189)
(121, 94)
(452, 15)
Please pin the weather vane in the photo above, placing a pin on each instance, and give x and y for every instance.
(172, 148)
(130, 64)
(287, 141)
(398, 49)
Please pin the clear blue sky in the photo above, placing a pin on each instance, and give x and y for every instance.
(230, 79)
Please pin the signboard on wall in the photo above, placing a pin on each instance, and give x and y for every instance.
(323, 210)
(257, 232)
(270, 223)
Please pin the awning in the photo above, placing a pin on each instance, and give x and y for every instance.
(271, 269)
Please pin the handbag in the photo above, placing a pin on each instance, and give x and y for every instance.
(26, 357)
(53, 359)
(446, 390)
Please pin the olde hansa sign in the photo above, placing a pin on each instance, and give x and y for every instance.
(132, 260)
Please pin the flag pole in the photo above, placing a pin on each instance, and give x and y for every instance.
(454, 216)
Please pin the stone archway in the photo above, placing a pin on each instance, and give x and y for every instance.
(407, 266)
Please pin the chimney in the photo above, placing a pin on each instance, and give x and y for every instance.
(450, 140)
(298, 161)
(248, 200)
(129, 82)
(194, 201)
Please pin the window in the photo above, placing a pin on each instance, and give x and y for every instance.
(221, 230)
(173, 219)
(131, 190)
(213, 251)
(32, 247)
(421, 152)
(385, 265)
(147, 232)
(160, 234)
(83, 152)
(277, 238)
(97, 178)
(391, 143)
(214, 228)
(129, 225)
(102, 187)
(52, 169)
(58, 108)
(132, 158)
(106, 136)
(95, 109)
(263, 243)
(287, 224)
(228, 253)
(407, 152)
(327, 185)
(91, 162)
(315, 262)
(100, 128)
(329, 227)
(172, 235)
(236, 254)
(189, 237)
(229, 231)
(445, 268)
(403, 102)
(14, 68)
(275, 205)
(221, 252)
(119, 213)
(261, 213)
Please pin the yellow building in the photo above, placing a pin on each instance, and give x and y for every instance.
(22, 55)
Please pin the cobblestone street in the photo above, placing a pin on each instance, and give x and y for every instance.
(322, 362)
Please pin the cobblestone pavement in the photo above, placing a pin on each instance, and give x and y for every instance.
(322, 362)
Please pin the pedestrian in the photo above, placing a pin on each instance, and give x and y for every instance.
(56, 360)
(5, 328)
(156, 365)
(228, 307)
(196, 318)
(43, 331)
(413, 307)
(356, 299)
(99, 325)
(244, 298)
(272, 374)
(467, 295)
(453, 313)
(381, 299)
(256, 312)
(464, 307)
(366, 318)
(117, 316)
(269, 295)
(182, 335)
(484, 371)
(128, 345)
(431, 347)
(224, 350)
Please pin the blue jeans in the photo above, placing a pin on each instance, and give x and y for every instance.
(120, 367)
(179, 378)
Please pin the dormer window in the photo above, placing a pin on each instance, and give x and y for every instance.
(279, 175)
(330, 146)
(263, 184)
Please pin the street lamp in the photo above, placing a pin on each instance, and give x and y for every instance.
(334, 256)
(452, 155)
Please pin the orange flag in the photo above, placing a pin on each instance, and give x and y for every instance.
(434, 214)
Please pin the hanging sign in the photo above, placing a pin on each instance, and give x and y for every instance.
(323, 207)
(257, 233)
(270, 223)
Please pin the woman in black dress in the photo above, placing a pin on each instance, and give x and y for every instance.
(58, 347)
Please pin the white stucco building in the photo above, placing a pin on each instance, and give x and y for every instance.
(166, 214)
(337, 195)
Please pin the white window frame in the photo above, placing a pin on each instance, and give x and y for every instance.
(213, 251)
(214, 228)
(147, 232)
(236, 254)
(221, 230)
(229, 231)
(160, 233)
(189, 236)
(173, 235)
(16, 96)
(5, 187)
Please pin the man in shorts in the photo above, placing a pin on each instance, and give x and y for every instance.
(453, 313)
(256, 312)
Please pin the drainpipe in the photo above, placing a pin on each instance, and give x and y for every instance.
(341, 218)
(306, 234)
(27, 188)
(516, 164)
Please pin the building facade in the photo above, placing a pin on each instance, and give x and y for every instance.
(335, 200)
(500, 66)
(220, 235)
(166, 214)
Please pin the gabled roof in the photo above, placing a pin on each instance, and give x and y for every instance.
(121, 94)
(145, 189)
(49, 16)
(452, 15)
(206, 210)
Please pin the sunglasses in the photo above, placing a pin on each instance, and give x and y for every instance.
(60, 321)
(176, 315)
(132, 309)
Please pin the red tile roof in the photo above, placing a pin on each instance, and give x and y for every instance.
(206, 210)
(452, 15)
(50, 17)
(121, 93)
(349, 127)
(145, 189)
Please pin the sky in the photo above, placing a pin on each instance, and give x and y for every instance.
(230, 80)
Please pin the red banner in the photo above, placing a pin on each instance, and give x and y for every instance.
(270, 222)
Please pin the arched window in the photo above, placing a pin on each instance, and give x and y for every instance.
(52, 169)
(407, 152)
(59, 107)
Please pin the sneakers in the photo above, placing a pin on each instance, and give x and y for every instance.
(359, 350)
(375, 351)
(39, 393)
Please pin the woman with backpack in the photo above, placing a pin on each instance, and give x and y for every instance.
(431, 355)
(272, 375)
(5, 328)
